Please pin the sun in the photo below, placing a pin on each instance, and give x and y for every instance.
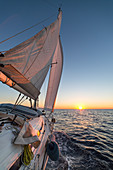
(80, 107)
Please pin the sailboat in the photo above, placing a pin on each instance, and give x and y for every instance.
(26, 140)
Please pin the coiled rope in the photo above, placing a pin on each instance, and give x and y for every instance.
(28, 155)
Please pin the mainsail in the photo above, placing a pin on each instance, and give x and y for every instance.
(54, 79)
(25, 66)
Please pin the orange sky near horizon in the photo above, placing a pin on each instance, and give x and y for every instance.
(75, 103)
(9, 96)
(84, 107)
(66, 105)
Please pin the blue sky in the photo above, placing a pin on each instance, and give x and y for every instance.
(87, 39)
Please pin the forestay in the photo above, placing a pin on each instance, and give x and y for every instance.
(54, 78)
(25, 66)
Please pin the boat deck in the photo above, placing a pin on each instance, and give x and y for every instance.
(19, 110)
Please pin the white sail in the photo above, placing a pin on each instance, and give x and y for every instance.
(27, 64)
(55, 76)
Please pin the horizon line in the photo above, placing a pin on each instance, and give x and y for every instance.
(80, 109)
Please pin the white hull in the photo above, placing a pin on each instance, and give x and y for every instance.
(11, 150)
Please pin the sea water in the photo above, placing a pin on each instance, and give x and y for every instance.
(85, 139)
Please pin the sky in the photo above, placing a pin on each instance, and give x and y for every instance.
(87, 40)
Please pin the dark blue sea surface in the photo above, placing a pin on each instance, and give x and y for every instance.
(85, 139)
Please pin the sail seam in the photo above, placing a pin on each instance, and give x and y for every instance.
(40, 50)
(42, 74)
(37, 55)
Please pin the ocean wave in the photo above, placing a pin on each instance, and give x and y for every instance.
(75, 157)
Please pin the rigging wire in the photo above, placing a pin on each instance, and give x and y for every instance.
(28, 28)
(20, 100)
(16, 102)
(23, 101)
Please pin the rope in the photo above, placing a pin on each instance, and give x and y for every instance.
(28, 155)
(27, 29)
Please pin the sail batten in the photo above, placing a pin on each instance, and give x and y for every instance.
(27, 63)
